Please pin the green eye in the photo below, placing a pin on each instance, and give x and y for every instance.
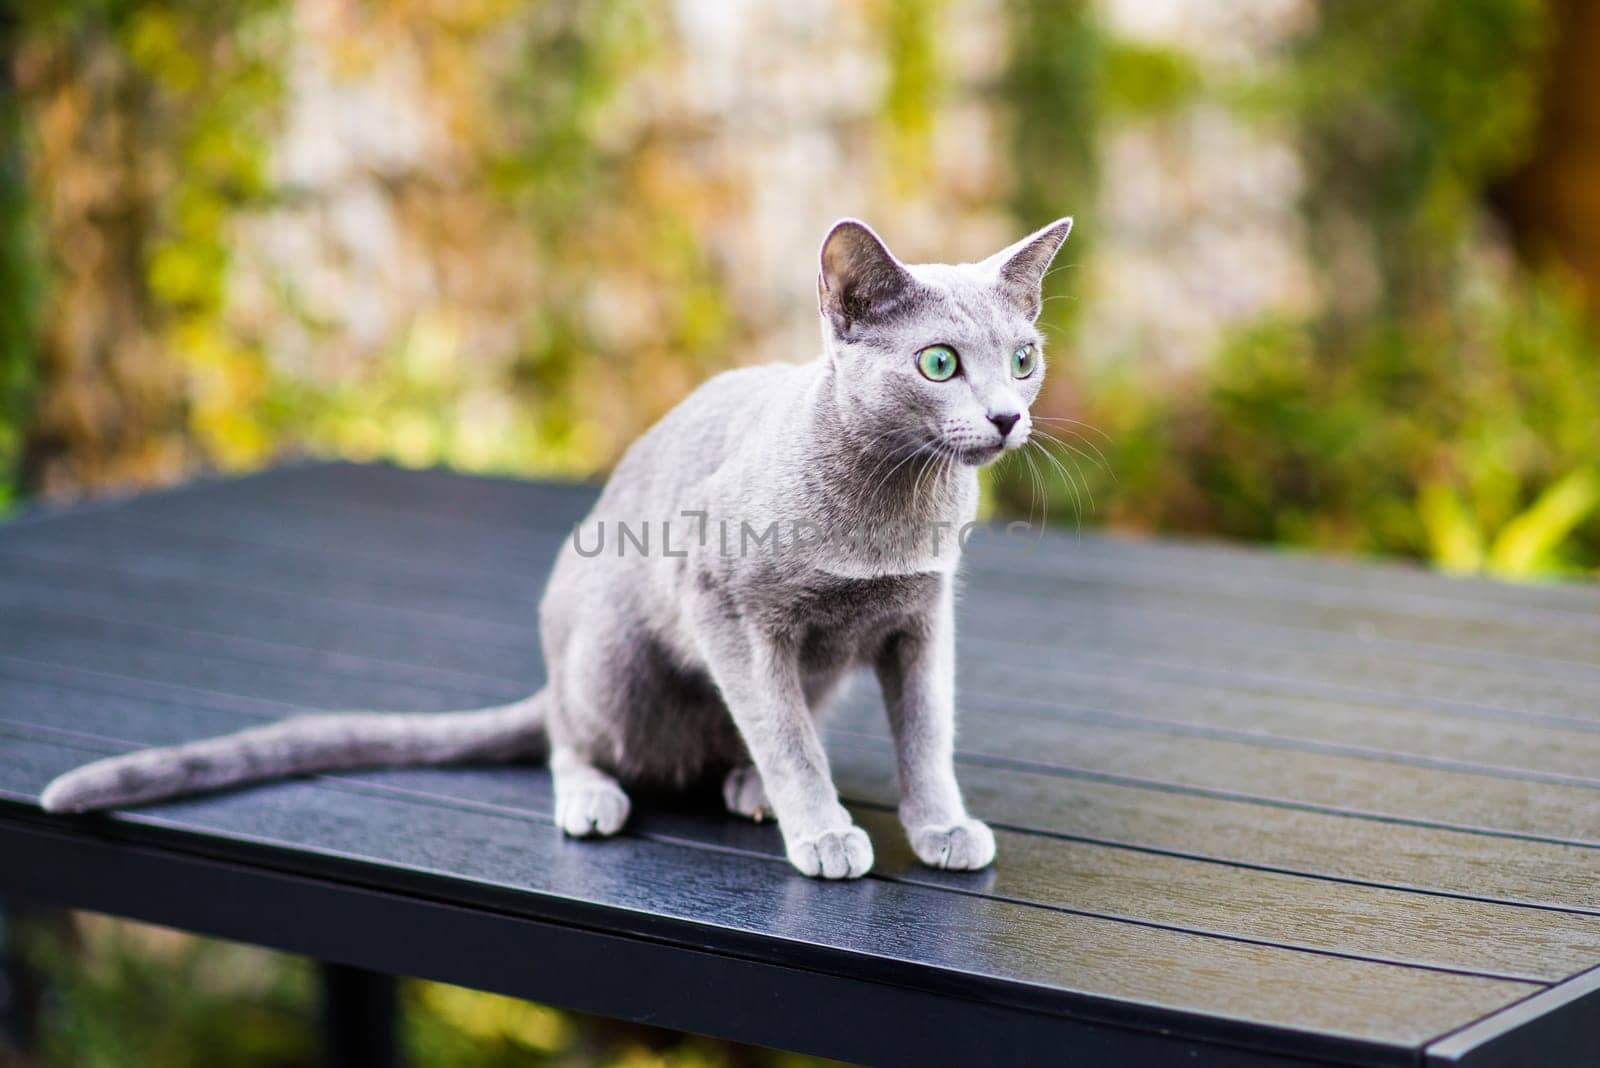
(1023, 360)
(937, 363)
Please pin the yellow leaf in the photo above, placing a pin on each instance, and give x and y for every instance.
(490, 1017)
(1454, 542)
(1525, 546)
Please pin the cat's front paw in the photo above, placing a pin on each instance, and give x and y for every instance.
(842, 854)
(592, 810)
(963, 846)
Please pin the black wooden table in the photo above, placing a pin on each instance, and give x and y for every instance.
(1251, 808)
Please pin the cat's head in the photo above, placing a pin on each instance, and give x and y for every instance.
(942, 356)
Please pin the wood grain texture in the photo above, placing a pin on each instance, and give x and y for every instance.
(1303, 659)
(753, 891)
(124, 578)
(1032, 736)
(1335, 846)
(1038, 740)
(1350, 802)
(1101, 687)
(1097, 686)
(1339, 846)
(1183, 893)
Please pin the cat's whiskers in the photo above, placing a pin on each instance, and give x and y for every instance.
(896, 442)
(917, 449)
(897, 447)
(1037, 496)
(937, 456)
(1070, 482)
(1098, 459)
(950, 462)
(1074, 423)
(1076, 477)
(1039, 491)
(1010, 458)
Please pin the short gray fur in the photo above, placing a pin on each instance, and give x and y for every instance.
(714, 650)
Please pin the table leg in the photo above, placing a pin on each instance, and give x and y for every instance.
(360, 1018)
(20, 989)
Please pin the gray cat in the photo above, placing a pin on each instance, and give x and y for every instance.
(781, 526)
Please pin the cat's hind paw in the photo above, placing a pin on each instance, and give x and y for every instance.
(842, 854)
(964, 846)
(744, 795)
(595, 810)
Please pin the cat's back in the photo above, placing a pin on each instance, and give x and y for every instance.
(667, 470)
(731, 412)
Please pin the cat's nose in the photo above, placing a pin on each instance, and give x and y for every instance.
(1004, 421)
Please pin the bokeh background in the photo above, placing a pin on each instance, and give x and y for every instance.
(1332, 285)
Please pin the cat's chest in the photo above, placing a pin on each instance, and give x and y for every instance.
(840, 619)
(822, 599)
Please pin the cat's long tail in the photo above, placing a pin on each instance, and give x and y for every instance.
(323, 742)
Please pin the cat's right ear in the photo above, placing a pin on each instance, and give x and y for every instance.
(1020, 269)
(860, 278)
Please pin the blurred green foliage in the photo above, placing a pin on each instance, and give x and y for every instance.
(912, 88)
(1454, 414)
(597, 208)
(20, 279)
(120, 994)
(1436, 438)
(224, 113)
(144, 131)
(1054, 87)
(1442, 407)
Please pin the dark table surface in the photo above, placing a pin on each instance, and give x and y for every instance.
(1251, 807)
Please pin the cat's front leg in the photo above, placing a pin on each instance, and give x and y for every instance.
(760, 682)
(916, 669)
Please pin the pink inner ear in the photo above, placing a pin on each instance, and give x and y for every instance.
(859, 274)
(852, 252)
(1021, 267)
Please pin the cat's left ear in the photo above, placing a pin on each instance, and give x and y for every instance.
(859, 277)
(1020, 268)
